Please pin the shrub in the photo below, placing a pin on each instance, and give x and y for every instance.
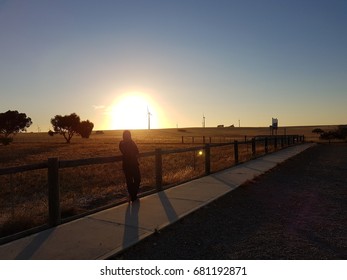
(85, 128)
(51, 133)
(339, 133)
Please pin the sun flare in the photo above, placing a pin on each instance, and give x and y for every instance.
(133, 111)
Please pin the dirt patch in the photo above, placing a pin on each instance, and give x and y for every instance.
(296, 211)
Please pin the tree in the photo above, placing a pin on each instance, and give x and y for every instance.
(67, 125)
(12, 122)
(318, 131)
(329, 135)
(339, 133)
(85, 128)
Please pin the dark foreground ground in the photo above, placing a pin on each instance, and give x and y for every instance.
(296, 211)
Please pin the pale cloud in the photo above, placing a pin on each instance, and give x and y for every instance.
(98, 107)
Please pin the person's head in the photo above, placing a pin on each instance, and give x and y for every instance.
(126, 135)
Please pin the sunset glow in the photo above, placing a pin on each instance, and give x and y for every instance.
(130, 111)
(238, 63)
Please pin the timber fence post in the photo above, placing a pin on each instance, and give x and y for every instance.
(266, 145)
(236, 152)
(253, 147)
(207, 159)
(53, 192)
(158, 169)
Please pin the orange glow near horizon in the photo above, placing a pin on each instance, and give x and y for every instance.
(130, 111)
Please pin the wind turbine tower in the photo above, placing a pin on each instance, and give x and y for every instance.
(149, 118)
(203, 120)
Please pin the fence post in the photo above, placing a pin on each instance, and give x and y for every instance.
(266, 145)
(53, 192)
(182, 140)
(207, 159)
(275, 144)
(253, 147)
(236, 152)
(158, 169)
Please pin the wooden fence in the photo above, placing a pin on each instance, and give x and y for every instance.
(54, 164)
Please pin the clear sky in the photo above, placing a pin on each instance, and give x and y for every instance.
(110, 61)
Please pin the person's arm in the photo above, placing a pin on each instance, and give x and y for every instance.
(121, 148)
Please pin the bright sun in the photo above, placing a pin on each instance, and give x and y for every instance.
(131, 112)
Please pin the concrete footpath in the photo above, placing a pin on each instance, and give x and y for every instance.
(103, 234)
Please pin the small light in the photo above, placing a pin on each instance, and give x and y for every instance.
(200, 153)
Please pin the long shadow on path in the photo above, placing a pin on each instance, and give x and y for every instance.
(131, 221)
(169, 209)
(34, 246)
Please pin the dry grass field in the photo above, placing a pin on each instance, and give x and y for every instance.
(35, 147)
(23, 196)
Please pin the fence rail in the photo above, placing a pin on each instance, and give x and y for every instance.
(53, 165)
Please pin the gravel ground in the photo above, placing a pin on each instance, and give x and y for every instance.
(297, 210)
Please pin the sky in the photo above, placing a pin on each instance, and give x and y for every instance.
(233, 62)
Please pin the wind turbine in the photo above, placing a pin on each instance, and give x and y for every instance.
(149, 118)
(203, 120)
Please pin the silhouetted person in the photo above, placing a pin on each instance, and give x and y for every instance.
(130, 164)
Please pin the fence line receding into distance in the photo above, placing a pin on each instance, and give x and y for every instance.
(53, 165)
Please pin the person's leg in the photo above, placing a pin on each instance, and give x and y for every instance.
(129, 181)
